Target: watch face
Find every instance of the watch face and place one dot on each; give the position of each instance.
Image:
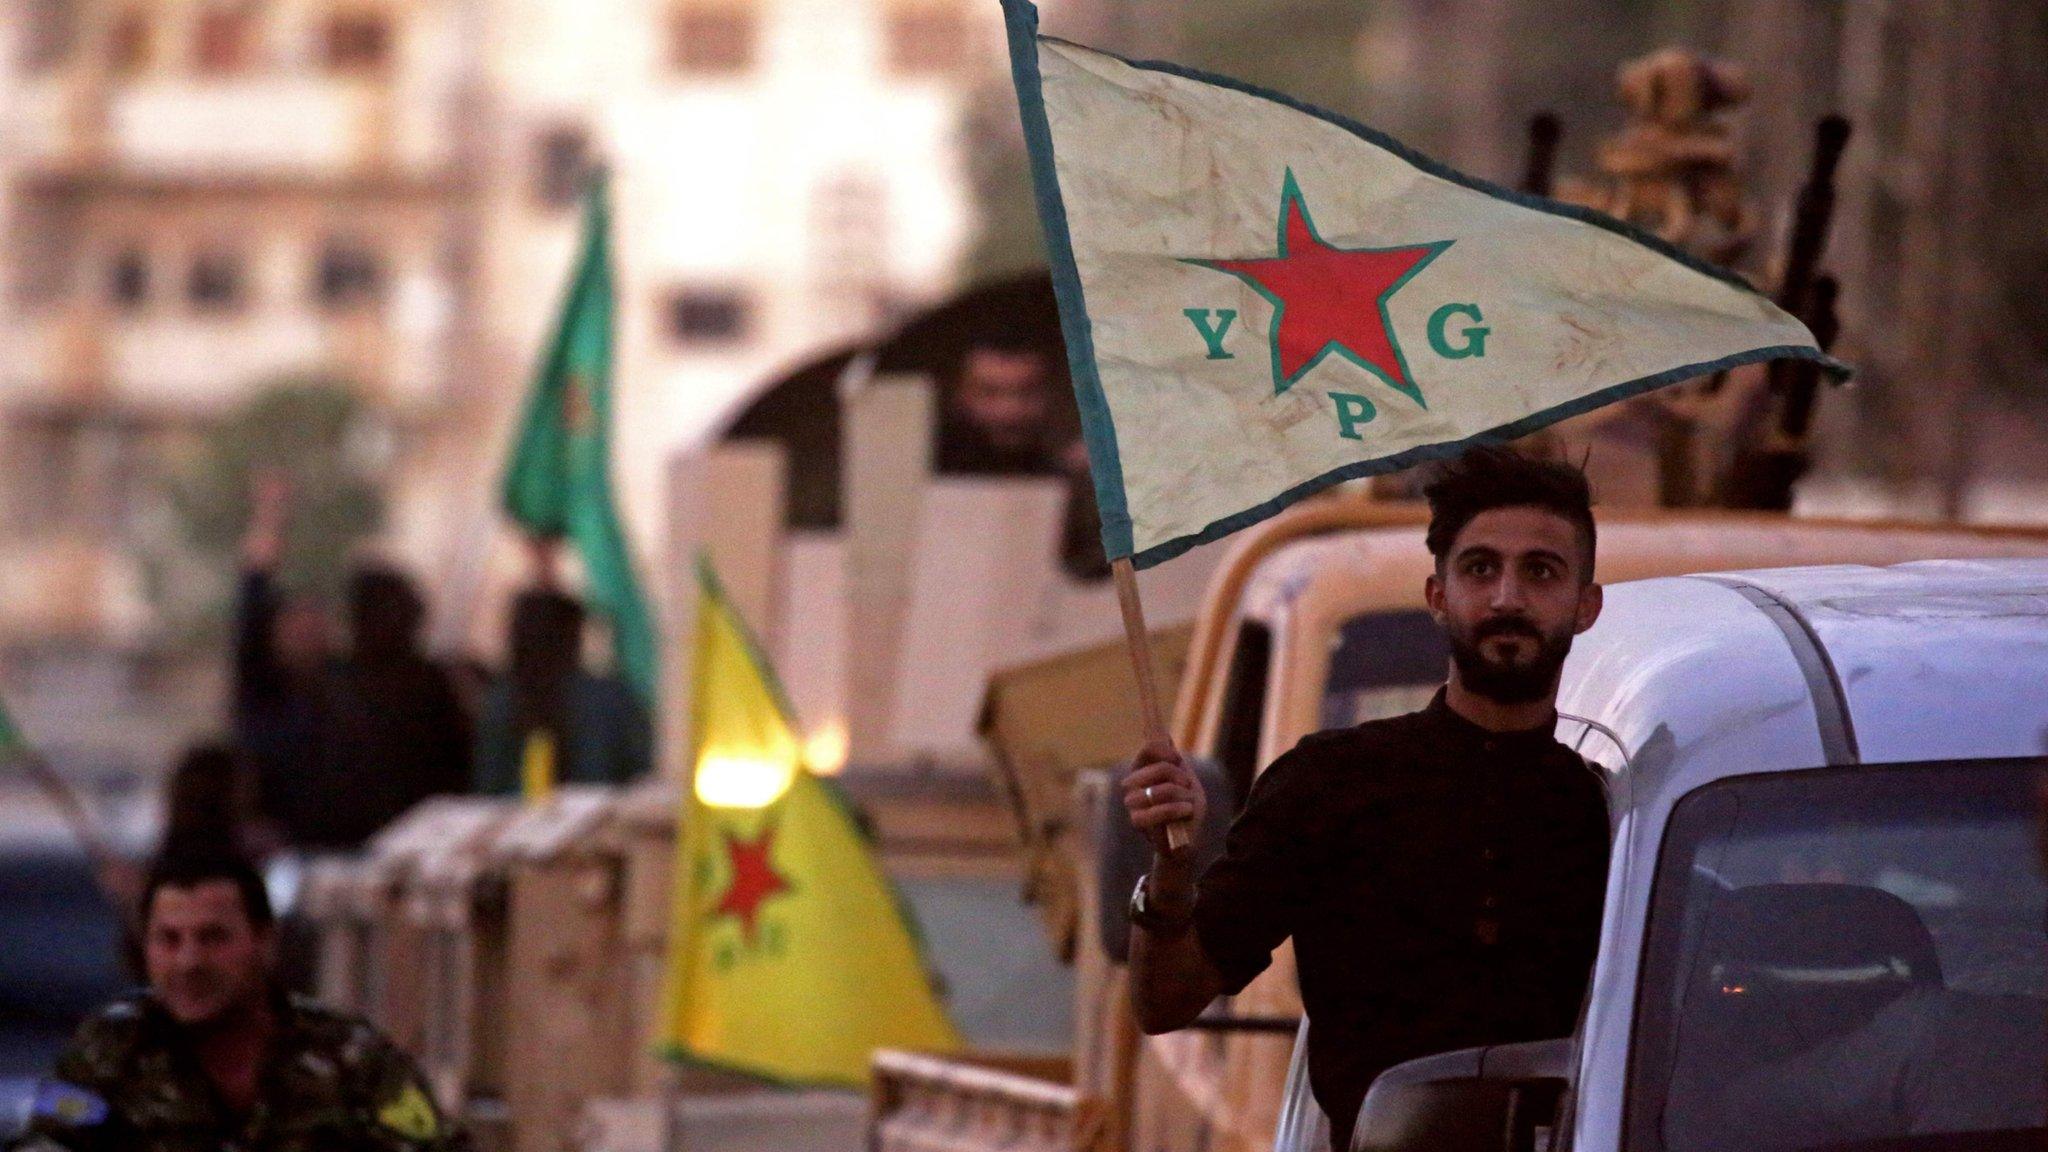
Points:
(1141, 905)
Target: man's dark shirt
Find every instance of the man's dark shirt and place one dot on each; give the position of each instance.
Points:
(396, 734)
(129, 1082)
(340, 752)
(1442, 884)
(963, 448)
(277, 717)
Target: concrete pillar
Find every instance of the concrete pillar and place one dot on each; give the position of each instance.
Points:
(887, 461)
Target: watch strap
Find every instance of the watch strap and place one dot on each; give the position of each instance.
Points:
(1146, 915)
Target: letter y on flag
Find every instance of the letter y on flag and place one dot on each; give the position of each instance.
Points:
(1261, 298)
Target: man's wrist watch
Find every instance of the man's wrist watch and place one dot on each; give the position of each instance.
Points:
(1146, 915)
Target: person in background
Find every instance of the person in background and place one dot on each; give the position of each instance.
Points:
(213, 1055)
(600, 732)
(210, 806)
(340, 747)
(997, 417)
(393, 723)
(996, 412)
(283, 647)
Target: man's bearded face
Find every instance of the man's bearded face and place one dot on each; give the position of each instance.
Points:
(1511, 595)
(204, 958)
(1509, 659)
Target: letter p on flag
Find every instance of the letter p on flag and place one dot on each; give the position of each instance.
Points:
(1357, 271)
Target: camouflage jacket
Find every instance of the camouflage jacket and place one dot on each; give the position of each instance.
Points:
(332, 1083)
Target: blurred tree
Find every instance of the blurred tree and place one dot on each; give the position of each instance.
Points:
(326, 443)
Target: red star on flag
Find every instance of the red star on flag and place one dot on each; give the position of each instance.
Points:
(754, 879)
(1328, 299)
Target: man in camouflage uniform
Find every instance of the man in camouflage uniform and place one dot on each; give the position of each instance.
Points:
(212, 1057)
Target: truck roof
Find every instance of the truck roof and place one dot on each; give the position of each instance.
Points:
(1689, 679)
(1320, 582)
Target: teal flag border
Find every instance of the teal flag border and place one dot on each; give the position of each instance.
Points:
(1020, 20)
(636, 652)
(1098, 428)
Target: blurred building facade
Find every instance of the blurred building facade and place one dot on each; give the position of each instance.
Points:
(199, 196)
(203, 196)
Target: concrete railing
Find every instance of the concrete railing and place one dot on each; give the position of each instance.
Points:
(927, 1103)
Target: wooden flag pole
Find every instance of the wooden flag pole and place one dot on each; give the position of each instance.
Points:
(1177, 835)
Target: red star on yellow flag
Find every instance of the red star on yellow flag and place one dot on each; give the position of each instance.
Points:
(754, 879)
(1328, 299)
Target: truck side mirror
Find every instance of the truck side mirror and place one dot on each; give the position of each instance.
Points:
(1502, 1098)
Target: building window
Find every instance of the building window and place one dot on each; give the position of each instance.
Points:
(43, 458)
(357, 43)
(51, 34)
(47, 259)
(562, 166)
(70, 470)
(933, 41)
(697, 316)
(711, 40)
(350, 275)
(128, 279)
(224, 40)
(128, 43)
(215, 283)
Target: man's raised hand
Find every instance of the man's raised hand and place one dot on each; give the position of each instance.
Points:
(1160, 789)
(270, 500)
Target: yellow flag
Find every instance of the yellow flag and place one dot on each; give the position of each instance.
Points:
(790, 955)
(537, 768)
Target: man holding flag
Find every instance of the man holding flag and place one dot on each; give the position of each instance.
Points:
(1441, 873)
(1261, 299)
(558, 485)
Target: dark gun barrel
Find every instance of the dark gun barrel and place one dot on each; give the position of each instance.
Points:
(1545, 130)
(1796, 382)
(1803, 382)
(1764, 473)
(1813, 213)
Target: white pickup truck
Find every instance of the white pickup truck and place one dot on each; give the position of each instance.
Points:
(1825, 914)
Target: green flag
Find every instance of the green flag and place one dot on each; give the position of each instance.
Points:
(17, 753)
(559, 481)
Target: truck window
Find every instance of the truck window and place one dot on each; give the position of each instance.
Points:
(1244, 706)
(1849, 960)
(1384, 664)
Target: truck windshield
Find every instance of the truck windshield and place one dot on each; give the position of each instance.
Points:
(1384, 664)
(1848, 960)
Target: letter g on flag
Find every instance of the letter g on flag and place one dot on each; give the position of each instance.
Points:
(1474, 342)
